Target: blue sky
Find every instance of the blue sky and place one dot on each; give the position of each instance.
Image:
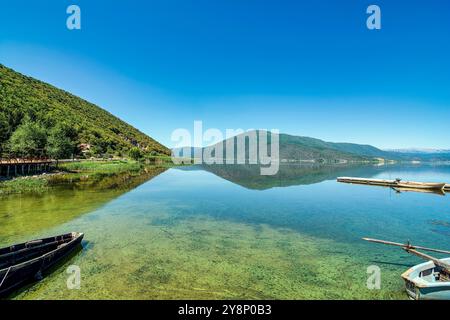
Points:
(304, 67)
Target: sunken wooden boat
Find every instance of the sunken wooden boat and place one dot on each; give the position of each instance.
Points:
(426, 281)
(395, 183)
(22, 263)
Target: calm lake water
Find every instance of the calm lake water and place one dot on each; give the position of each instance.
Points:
(227, 232)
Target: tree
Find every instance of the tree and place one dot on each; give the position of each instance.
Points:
(135, 154)
(29, 140)
(4, 131)
(60, 143)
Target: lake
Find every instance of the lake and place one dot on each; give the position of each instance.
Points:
(225, 232)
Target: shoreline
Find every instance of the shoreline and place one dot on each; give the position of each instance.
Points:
(76, 172)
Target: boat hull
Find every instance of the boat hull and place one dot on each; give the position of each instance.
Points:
(420, 282)
(435, 293)
(13, 276)
(422, 186)
(396, 184)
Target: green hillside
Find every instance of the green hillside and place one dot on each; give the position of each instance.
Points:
(333, 149)
(298, 148)
(304, 148)
(39, 119)
(294, 148)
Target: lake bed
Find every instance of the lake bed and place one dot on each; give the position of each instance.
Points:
(227, 233)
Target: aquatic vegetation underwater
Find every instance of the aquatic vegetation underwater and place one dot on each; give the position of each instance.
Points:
(24, 185)
(209, 259)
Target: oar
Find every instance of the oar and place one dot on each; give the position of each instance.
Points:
(405, 246)
(424, 256)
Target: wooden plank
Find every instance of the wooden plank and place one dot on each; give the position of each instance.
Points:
(407, 246)
(24, 161)
(436, 261)
(413, 250)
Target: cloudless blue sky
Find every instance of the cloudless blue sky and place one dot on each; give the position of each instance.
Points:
(304, 67)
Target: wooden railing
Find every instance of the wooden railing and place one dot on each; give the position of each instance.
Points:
(18, 161)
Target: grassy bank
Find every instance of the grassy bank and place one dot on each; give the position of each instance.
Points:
(100, 167)
(86, 172)
(24, 185)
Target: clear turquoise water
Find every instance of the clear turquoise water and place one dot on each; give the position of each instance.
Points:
(229, 233)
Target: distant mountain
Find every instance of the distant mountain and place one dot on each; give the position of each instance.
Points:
(91, 127)
(299, 149)
(367, 152)
(419, 150)
(421, 154)
(305, 149)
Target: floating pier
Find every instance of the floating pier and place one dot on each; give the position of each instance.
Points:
(411, 185)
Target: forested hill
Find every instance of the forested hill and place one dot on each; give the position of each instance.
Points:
(296, 148)
(39, 119)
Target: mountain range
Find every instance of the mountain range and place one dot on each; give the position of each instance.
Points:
(24, 99)
(419, 151)
(299, 148)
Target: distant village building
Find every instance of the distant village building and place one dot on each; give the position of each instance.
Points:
(84, 147)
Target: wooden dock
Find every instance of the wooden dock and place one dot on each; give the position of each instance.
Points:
(395, 183)
(16, 166)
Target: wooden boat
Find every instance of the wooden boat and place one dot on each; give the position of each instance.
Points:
(426, 281)
(24, 262)
(395, 183)
(421, 185)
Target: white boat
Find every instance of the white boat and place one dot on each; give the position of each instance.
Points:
(426, 281)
